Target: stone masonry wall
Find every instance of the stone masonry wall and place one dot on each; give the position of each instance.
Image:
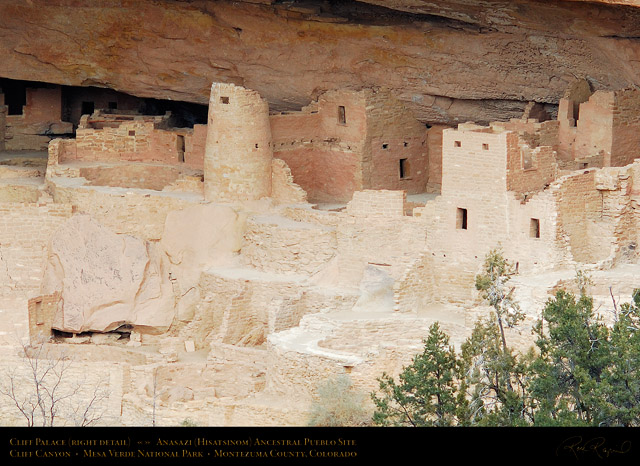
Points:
(376, 232)
(393, 134)
(25, 230)
(138, 141)
(579, 216)
(284, 189)
(434, 151)
(324, 154)
(279, 245)
(142, 176)
(372, 203)
(529, 170)
(126, 211)
(41, 313)
(241, 306)
(239, 148)
(594, 128)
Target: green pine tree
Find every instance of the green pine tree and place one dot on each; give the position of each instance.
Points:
(574, 354)
(427, 391)
(497, 380)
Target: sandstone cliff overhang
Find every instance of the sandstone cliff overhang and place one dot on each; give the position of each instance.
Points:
(451, 61)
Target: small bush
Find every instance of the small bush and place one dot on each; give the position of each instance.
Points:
(338, 404)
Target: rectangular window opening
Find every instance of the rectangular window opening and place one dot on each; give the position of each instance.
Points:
(534, 228)
(132, 133)
(224, 100)
(385, 146)
(485, 146)
(39, 316)
(404, 169)
(457, 144)
(342, 115)
(461, 219)
(180, 148)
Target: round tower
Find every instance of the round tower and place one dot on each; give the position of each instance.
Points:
(238, 153)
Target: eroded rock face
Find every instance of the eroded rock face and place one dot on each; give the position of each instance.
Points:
(200, 237)
(451, 61)
(107, 280)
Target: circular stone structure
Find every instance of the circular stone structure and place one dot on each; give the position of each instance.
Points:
(238, 154)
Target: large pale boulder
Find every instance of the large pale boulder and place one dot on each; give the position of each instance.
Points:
(200, 237)
(107, 280)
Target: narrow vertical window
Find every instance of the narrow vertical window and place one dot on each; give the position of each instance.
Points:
(404, 168)
(180, 148)
(342, 115)
(39, 315)
(534, 228)
(461, 219)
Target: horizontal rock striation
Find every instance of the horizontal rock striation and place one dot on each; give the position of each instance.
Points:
(451, 61)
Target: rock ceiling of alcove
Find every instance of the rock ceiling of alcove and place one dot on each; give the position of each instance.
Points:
(454, 60)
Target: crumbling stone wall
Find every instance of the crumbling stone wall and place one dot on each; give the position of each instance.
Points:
(284, 189)
(138, 141)
(477, 212)
(529, 170)
(579, 207)
(606, 126)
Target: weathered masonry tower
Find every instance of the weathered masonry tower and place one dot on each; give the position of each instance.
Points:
(238, 153)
